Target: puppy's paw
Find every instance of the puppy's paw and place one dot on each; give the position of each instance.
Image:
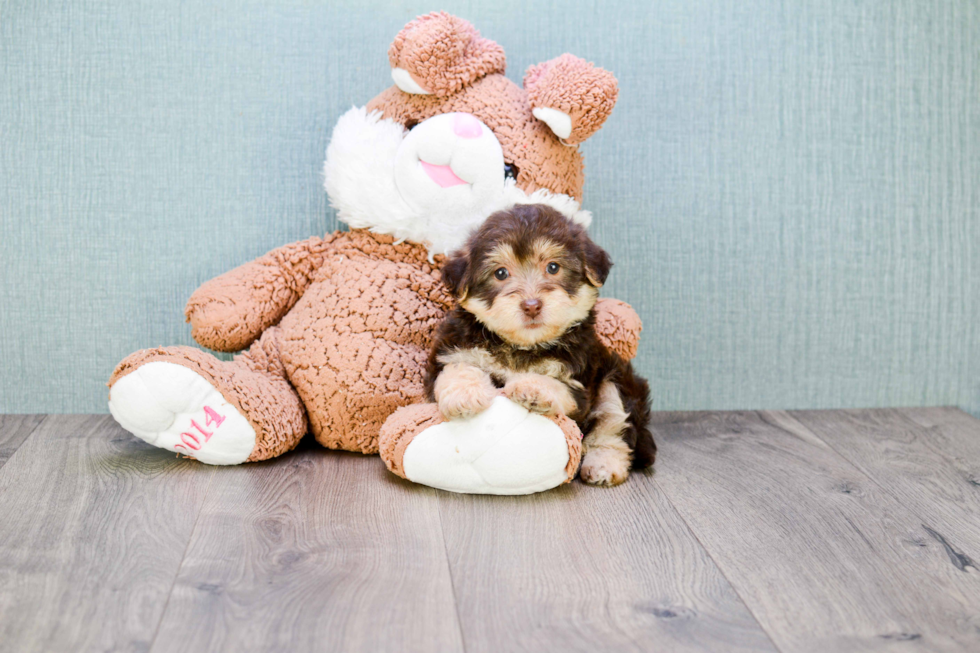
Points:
(465, 398)
(531, 395)
(605, 466)
(539, 394)
(463, 391)
(464, 402)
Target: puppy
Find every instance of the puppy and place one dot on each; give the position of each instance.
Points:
(526, 284)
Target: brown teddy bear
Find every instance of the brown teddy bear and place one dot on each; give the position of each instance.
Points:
(337, 329)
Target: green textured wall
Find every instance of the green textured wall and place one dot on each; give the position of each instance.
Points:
(789, 190)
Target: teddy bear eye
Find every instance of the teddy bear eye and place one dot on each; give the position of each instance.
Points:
(553, 268)
(510, 171)
(501, 273)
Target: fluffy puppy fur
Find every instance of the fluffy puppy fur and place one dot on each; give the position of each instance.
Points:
(526, 283)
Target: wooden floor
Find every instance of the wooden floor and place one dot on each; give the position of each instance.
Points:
(758, 531)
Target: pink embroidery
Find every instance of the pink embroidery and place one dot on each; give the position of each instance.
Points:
(212, 417)
(180, 446)
(207, 434)
(191, 441)
(184, 437)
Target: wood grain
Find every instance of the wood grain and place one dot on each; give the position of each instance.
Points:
(317, 550)
(810, 531)
(929, 459)
(93, 526)
(588, 569)
(956, 435)
(824, 559)
(14, 429)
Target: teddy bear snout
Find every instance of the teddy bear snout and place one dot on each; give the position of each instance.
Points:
(457, 144)
(451, 162)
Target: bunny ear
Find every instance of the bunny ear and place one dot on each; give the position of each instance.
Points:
(571, 96)
(439, 54)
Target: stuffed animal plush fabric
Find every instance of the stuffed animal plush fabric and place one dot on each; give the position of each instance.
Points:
(336, 330)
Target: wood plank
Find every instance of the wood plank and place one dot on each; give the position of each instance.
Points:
(823, 557)
(317, 550)
(14, 429)
(927, 458)
(93, 525)
(956, 435)
(588, 569)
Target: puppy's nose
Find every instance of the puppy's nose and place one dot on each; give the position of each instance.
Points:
(531, 307)
(466, 125)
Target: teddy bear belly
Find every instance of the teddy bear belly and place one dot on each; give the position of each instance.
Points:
(355, 346)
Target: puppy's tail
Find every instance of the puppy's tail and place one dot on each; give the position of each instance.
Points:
(636, 400)
(645, 452)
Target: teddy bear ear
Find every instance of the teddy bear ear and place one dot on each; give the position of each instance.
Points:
(439, 54)
(572, 96)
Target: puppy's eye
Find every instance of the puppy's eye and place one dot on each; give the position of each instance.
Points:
(510, 171)
(500, 274)
(553, 268)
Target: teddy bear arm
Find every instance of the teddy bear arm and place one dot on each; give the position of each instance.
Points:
(618, 327)
(230, 311)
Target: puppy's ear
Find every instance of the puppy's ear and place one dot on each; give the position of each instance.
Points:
(597, 263)
(454, 273)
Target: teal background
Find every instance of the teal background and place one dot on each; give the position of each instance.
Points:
(790, 190)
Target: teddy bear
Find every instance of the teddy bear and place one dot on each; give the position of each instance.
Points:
(334, 331)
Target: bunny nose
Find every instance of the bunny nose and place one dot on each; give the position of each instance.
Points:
(531, 307)
(466, 126)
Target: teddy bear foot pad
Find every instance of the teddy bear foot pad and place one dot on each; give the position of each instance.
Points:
(174, 408)
(503, 450)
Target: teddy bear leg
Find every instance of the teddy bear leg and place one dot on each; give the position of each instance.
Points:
(352, 383)
(503, 450)
(219, 412)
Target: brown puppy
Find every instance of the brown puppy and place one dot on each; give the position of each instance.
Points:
(526, 283)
